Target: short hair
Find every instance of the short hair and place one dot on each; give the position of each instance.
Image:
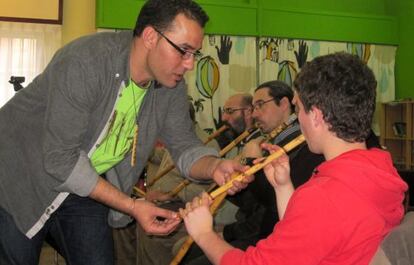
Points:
(278, 90)
(343, 88)
(247, 100)
(161, 13)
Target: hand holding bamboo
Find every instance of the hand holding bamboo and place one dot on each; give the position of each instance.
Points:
(220, 193)
(172, 166)
(189, 240)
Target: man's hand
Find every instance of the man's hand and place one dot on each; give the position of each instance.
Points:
(278, 171)
(252, 148)
(225, 169)
(154, 220)
(197, 217)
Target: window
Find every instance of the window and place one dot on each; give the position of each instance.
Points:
(25, 50)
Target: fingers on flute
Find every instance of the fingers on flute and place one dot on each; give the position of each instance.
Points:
(206, 199)
(203, 200)
(182, 212)
(270, 147)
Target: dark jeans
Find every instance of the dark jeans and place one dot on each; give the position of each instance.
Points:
(78, 230)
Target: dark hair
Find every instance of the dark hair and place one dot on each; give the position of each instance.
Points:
(247, 100)
(343, 88)
(278, 90)
(160, 14)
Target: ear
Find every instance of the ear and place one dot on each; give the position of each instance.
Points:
(285, 104)
(149, 37)
(316, 116)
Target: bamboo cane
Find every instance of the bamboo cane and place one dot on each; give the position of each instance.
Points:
(222, 152)
(225, 150)
(179, 187)
(281, 128)
(216, 133)
(134, 146)
(138, 192)
(221, 192)
(161, 174)
(286, 148)
(189, 240)
(233, 143)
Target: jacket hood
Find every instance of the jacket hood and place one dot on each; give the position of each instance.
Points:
(371, 174)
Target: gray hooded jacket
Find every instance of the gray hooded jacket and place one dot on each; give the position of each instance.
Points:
(49, 129)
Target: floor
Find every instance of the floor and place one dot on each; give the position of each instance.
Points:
(49, 256)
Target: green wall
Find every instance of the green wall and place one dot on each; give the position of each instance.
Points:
(364, 21)
(340, 20)
(404, 11)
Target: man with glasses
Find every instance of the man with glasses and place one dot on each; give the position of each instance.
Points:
(272, 107)
(237, 114)
(74, 142)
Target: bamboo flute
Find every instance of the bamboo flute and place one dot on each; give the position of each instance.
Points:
(216, 133)
(222, 152)
(161, 174)
(285, 149)
(179, 187)
(235, 142)
(225, 150)
(139, 192)
(275, 132)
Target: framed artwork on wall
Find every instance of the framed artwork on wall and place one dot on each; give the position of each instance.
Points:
(32, 11)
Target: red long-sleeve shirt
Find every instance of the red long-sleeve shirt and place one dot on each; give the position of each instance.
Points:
(338, 217)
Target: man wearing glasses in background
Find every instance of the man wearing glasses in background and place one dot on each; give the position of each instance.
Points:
(75, 140)
(272, 107)
(237, 114)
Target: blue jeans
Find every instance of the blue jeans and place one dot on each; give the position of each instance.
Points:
(78, 230)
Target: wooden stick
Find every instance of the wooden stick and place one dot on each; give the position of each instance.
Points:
(216, 133)
(220, 193)
(139, 192)
(288, 147)
(222, 152)
(161, 174)
(233, 143)
(281, 128)
(189, 240)
(134, 146)
(179, 187)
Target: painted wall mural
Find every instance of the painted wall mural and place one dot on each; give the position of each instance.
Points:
(237, 64)
(227, 67)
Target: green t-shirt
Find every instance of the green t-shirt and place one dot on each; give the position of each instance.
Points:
(118, 140)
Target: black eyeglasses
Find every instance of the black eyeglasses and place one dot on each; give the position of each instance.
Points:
(259, 104)
(185, 54)
(231, 110)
